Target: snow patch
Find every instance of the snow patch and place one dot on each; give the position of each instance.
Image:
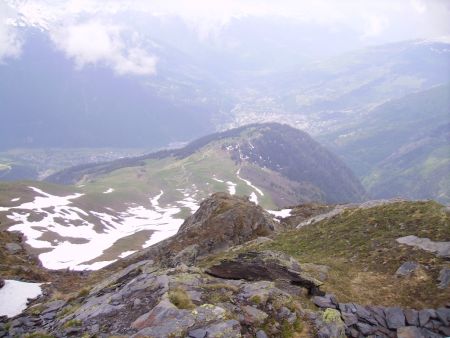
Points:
(253, 198)
(15, 199)
(280, 213)
(14, 296)
(259, 191)
(231, 187)
(127, 253)
(110, 190)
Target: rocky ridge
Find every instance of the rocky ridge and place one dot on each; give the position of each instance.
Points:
(216, 278)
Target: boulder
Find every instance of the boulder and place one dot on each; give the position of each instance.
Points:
(443, 315)
(2, 283)
(327, 301)
(265, 265)
(425, 316)
(406, 269)
(225, 329)
(395, 317)
(441, 249)
(253, 316)
(412, 317)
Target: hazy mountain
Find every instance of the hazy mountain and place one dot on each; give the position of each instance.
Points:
(47, 102)
(400, 148)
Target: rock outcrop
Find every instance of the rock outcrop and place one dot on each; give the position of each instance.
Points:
(222, 221)
(377, 321)
(266, 265)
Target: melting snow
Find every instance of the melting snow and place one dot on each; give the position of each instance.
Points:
(126, 253)
(65, 254)
(14, 296)
(15, 199)
(231, 187)
(249, 183)
(253, 198)
(281, 213)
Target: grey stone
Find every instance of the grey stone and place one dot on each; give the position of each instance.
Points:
(365, 329)
(349, 318)
(444, 278)
(324, 302)
(164, 319)
(284, 312)
(253, 316)
(412, 317)
(261, 334)
(54, 306)
(136, 303)
(363, 314)
(197, 333)
(226, 329)
(425, 316)
(406, 269)
(441, 249)
(394, 317)
(409, 332)
(13, 248)
(445, 330)
(444, 315)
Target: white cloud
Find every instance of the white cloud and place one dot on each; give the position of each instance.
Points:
(375, 26)
(10, 42)
(94, 42)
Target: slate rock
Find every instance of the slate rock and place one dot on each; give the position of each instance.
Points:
(444, 278)
(54, 306)
(265, 265)
(412, 317)
(197, 333)
(261, 334)
(444, 315)
(395, 317)
(326, 301)
(365, 329)
(364, 315)
(226, 329)
(349, 318)
(445, 330)
(164, 319)
(406, 269)
(409, 332)
(425, 316)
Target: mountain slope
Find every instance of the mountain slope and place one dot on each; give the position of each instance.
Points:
(400, 148)
(117, 208)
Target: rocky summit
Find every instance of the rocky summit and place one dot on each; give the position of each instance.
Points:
(233, 270)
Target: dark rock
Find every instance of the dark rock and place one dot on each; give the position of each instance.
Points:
(325, 301)
(425, 316)
(2, 283)
(349, 318)
(406, 269)
(378, 314)
(409, 332)
(444, 315)
(445, 330)
(265, 265)
(227, 329)
(412, 317)
(261, 334)
(365, 329)
(364, 315)
(444, 278)
(198, 333)
(54, 306)
(394, 317)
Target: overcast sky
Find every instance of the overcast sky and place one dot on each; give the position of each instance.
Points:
(91, 31)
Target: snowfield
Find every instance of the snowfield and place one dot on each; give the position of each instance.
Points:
(14, 296)
(83, 241)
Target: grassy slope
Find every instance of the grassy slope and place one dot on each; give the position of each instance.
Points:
(359, 247)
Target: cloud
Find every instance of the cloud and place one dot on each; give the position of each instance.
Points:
(10, 42)
(94, 42)
(375, 26)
